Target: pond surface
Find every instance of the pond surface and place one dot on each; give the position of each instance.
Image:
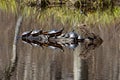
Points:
(37, 63)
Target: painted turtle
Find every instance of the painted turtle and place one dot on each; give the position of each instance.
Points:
(54, 33)
(26, 34)
(36, 32)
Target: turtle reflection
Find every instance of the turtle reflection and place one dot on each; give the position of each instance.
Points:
(57, 39)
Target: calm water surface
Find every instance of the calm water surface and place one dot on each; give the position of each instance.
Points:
(36, 63)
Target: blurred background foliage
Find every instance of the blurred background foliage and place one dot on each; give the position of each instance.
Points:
(8, 5)
(70, 11)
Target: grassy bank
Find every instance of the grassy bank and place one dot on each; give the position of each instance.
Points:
(83, 11)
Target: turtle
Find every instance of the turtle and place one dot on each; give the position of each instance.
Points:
(53, 33)
(36, 32)
(26, 34)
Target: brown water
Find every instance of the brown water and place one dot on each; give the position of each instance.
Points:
(36, 63)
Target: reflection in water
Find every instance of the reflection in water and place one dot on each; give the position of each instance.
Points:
(33, 63)
(56, 39)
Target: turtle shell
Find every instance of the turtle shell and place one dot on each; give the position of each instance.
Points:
(36, 32)
(26, 34)
(54, 33)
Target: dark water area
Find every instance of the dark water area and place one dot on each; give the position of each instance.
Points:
(37, 63)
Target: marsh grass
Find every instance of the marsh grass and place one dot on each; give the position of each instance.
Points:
(103, 14)
(72, 17)
(8, 5)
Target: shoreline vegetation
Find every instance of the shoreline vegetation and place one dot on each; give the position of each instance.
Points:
(72, 11)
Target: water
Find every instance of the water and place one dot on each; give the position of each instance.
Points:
(37, 63)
